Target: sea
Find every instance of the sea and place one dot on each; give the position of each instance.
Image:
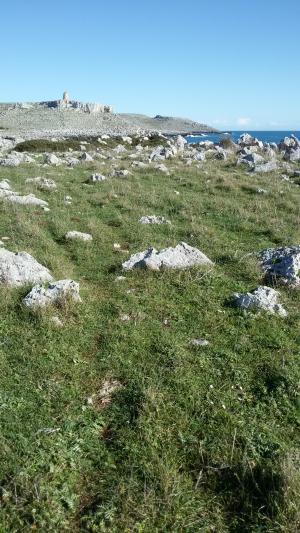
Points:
(265, 136)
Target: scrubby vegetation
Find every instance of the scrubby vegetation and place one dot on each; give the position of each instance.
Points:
(197, 439)
(47, 145)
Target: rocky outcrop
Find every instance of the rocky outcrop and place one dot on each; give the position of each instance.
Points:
(263, 298)
(57, 291)
(282, 263)
(182, 256)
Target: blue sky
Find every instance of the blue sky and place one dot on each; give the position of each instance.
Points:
(230, 63)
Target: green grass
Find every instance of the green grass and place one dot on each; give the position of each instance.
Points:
(197, 439)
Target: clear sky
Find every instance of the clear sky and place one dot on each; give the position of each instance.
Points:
(234, 64)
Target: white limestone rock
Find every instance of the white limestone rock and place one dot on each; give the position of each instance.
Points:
(86, 157)
(61, 290)
(263, 298)
(120, 149)
(51, 159)
(182, 256)
(29, 199)
(78, 235)
(127, 139)
(96, 178)
(5, 185)
(162, 168)
(120, 173)
(139, 164)
(266, 167)
(153, 219)
(21, 268)
(282, 263)
(44, 184)
(199, 343)
(10, 162)
(72, 161)
(180, 143)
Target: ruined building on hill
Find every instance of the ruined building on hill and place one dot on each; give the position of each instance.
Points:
(63, 104)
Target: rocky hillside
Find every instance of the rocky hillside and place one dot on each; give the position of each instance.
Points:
(34, 122)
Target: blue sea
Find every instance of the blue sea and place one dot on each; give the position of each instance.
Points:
(265, 136)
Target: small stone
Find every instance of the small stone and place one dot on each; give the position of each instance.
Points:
(95, 178)
(199, 342)
(120, 173)
(125, 318)
(153, 219)
(71, 235)
(56, 321)
(162, 168)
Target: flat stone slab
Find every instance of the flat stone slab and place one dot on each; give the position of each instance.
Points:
(153, 219)
(78, 235)
(182, 256)
(263, 298)
(63, 289)
(283, 263)
(29, 199)
(21, 268)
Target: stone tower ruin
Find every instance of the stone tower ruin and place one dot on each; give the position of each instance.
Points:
(66, 98)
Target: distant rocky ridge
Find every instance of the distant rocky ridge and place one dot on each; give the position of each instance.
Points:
(67, 118)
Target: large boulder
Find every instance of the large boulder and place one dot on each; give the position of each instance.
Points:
(182, 256)
(21, 268)
(282, 263)
(263, 298)
(57, 291)
(163, 152)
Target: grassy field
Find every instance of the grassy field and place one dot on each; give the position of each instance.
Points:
(197, 439)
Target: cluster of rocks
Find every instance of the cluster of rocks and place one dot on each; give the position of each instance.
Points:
(279, 265)
(7, 194)
(21, 268)
(249, 152)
